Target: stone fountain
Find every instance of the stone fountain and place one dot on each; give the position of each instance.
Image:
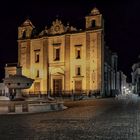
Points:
(18, 82)
(19, 105)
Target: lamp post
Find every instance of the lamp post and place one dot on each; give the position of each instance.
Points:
(124, 89)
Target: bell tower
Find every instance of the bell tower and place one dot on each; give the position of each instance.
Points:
(94, 19)
(25, 30)
(24, 35)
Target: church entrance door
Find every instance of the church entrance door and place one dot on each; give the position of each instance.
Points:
(57, 87)
(78, 87)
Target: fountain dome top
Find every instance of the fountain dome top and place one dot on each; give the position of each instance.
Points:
(18, 81)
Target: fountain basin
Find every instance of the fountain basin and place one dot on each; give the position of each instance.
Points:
(25, 107)
(16, 83)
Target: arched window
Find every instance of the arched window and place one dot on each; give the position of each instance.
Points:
(93, 23)
(24, 35)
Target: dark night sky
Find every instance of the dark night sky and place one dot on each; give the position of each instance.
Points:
(122, 24)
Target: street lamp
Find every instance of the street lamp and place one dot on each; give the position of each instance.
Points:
(124, 89)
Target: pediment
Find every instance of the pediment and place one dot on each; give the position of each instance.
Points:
(57, 27)
(57, 74)
(57, 71)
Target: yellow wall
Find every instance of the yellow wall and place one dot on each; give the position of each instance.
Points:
(90, 44)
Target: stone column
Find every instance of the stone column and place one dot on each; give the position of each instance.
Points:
(88, 61)
(67, 81)
(18, 94)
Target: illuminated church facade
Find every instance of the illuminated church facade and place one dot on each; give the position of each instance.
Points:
(62, 58)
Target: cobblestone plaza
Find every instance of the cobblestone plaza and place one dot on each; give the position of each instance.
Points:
(96, 119)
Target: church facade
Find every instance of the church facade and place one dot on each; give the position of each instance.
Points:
(62, 58)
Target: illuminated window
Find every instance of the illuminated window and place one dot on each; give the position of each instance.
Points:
(57, 54)
(78, 54)
(78, 51)
(37, 74)
(37, 57)
(78, 70)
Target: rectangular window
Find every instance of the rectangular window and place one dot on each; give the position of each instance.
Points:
(93, 23)
(37, 73)
(78, 54)
(57, 54)
(36, 57)
(78, 70)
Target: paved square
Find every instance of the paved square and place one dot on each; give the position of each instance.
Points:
(97, 119)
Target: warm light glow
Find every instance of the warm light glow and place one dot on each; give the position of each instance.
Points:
(55, 61)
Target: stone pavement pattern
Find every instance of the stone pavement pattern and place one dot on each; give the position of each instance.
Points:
(98, 119)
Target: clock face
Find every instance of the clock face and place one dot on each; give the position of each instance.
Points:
(57, 28)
